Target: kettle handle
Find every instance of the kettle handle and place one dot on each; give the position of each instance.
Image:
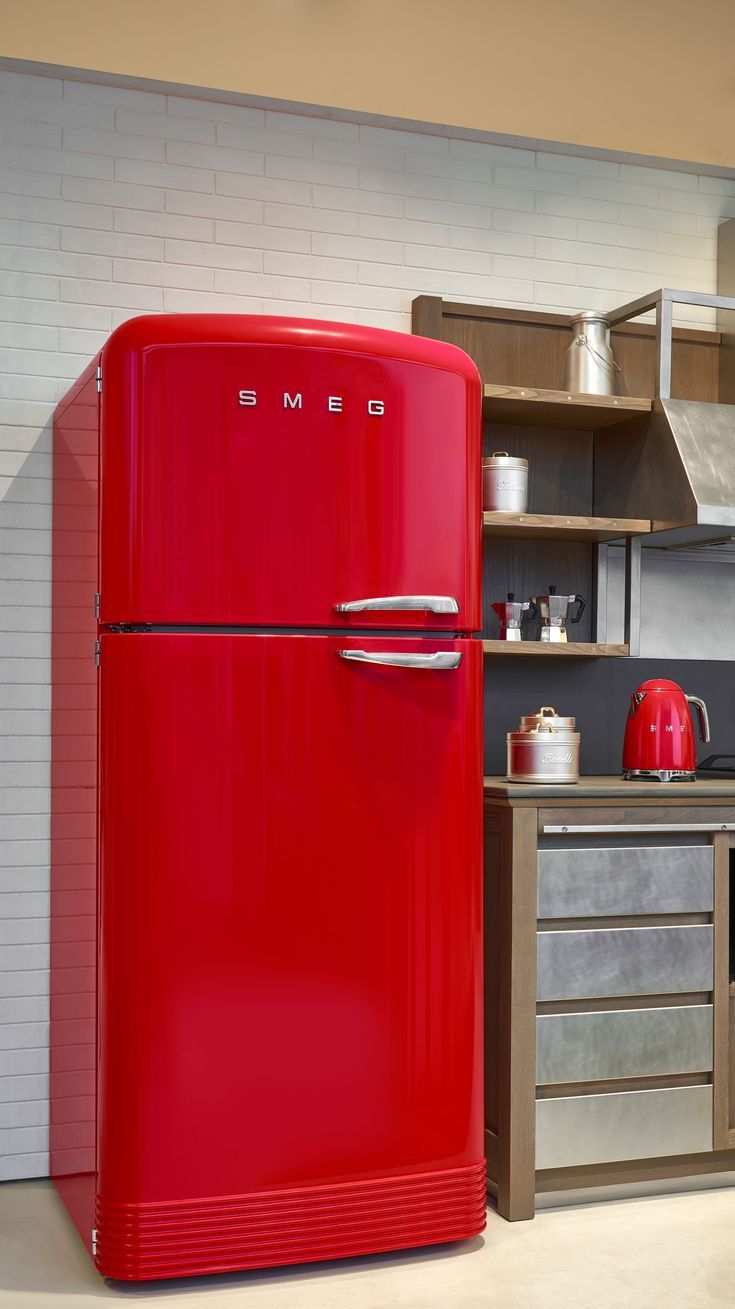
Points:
(703, 716)
(582, 606)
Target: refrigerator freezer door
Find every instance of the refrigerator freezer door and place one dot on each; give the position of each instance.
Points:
(273, 472)
(290, 966)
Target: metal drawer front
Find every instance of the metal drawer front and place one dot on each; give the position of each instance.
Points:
(683, 818)
(624, 961)
(623, 1043)
(654, 880)
(592, 1129)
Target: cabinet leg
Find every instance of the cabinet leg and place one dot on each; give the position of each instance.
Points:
(511, 1007)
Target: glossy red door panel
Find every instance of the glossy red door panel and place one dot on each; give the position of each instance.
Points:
(262, 471)
(290, 915)
(73, 1063)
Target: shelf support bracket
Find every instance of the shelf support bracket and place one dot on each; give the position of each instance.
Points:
(663, 302)
(599, 619)
(633, 595)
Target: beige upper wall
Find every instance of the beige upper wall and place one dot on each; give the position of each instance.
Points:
(653, 77)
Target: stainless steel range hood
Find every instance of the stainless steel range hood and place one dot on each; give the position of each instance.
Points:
(678, 467)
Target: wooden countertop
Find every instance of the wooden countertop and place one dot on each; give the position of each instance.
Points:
(605, 788)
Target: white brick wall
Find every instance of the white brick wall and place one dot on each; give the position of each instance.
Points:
(114, 202)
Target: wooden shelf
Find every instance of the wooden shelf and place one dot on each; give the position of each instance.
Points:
(555, 649)
(529, 406)
(555, 526)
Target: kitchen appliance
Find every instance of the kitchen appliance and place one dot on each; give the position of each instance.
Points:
(547, 714)
(659, 737)
(504, 483)
(715, 766)
(590, 365)
(510, 612)
(273, 1051)
(553, 610)
(543, 753)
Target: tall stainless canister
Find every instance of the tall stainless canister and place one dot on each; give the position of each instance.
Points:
(591, 367)
(543, 754)
(505, 483)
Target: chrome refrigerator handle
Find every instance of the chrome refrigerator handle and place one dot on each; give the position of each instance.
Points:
(434, 604)
(703, 716)
(442, 659)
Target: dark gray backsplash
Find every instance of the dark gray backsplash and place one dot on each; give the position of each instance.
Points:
(597, 692)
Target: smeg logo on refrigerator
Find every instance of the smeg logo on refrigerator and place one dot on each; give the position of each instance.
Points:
(331, 404)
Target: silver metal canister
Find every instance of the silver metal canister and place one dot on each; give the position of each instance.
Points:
(590, 366)
(505, 483)
(547, 714)
(543, 754)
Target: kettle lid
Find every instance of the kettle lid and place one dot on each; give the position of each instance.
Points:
(660, 684)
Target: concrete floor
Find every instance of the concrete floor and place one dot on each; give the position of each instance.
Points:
(674, 1250)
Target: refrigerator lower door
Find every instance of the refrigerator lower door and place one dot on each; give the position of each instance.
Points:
(290, 949)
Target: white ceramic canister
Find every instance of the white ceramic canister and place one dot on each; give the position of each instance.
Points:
(505, 483)
(590, 366)
(543, 754)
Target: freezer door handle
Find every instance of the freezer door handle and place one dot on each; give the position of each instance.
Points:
(442, 659)
(433, 604)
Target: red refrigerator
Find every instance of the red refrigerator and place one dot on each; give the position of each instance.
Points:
(267, 796)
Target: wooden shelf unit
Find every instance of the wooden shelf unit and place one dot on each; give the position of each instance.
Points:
(570, 527)
(566, 438)
(530, 406)
(560, 649)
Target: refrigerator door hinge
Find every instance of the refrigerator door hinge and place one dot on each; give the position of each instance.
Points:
(96, 604)
(99, 379)
(94, 1240)
(97, 652)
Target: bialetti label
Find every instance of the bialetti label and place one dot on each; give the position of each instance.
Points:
(557, 757)
(294, 400)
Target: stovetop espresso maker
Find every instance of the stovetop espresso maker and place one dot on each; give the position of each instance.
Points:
(510, 612)
(553, 610)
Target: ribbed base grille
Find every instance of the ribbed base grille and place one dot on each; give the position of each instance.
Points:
(221, 1234)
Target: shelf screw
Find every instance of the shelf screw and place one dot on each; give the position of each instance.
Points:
(569, 397)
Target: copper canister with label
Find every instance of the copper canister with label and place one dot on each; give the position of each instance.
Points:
(547, 714)
(543, 753)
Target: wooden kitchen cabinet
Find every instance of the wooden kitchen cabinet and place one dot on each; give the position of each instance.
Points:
(610, 1027)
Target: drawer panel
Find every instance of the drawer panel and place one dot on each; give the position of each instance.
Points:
(637, 818)
(591, 1129)
(624, 961)
(623, 1043)
(653, 880)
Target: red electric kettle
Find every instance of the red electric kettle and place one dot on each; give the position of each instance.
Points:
(659, 737)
